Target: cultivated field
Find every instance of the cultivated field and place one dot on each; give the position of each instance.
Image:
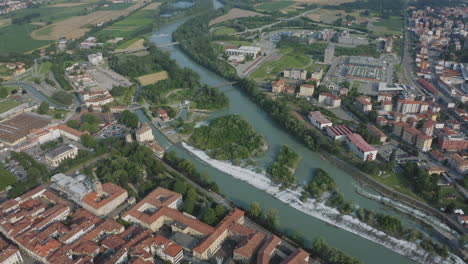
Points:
(152, 6)
(324, 2)
(67, 4)
(132, 44)
(152, 78)
(234, 14)
(329, 16)
(77, 26)
(5, 22)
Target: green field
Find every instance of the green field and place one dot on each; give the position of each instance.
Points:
(52, 14)
(129, 25)
(290, 59)
(224, 31)
(6, 179)
(6, 105)
(44, 31)
(16, 38)
(393, 25)
(398, 182)
(112, 7)
(273, 6)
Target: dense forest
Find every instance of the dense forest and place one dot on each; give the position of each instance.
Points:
(228, 138)
(282, 170)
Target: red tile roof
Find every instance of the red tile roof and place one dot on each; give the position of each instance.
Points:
(339, 130)
(112, 191)
(360, 143)
(298, 257)
(264, 253)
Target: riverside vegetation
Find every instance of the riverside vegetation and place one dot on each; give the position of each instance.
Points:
(282, 170)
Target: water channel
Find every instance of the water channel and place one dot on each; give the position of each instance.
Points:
(243, 194)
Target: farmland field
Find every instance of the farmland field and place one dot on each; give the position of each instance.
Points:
(131, 44)
(234, 14)
(392, 25)
(273, 6)
(224, 31)
(130, 24)
(16, 38)
(152, 78)
(76, 26)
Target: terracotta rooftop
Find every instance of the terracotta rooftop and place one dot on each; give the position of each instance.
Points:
(264, 253)
(360, 143)
(112, 192)
(339, 130)
(298, 257)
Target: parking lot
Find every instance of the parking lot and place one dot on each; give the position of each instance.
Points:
(114, 130)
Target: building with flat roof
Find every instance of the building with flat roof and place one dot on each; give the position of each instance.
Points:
(306, 90)
(319, 120)
(74, 188)
(56, 155)
(329, 99)
(329, 54)
(295, 74)
(360, 147)
(104, 198)
(423, 142)
(246, 51)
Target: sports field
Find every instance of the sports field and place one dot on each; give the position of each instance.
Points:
(273, 68)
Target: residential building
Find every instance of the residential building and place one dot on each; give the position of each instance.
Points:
(453, 142)
(364, 103)
(156, 148)
(97, 98)
(387, 106)
(104, 198)
(318, 120)
(329, 99)
(306, 90)
(9, 254)
(95, 59)
(317, 73)
(295, 74)
(298, 256)
(398, 128)
(377, 133)
(381, 97)
(338, 132)
(409, 135)
(162, 113)
(389, 45)
(459, 163)
(360, 147)
(144, 133)
(56, 155)
(278, 86)
(423, 142)
(267, 250)
(411, 107)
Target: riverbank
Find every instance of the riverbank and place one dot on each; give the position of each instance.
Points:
(321, 211)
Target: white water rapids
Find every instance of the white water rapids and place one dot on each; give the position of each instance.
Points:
(323, 212)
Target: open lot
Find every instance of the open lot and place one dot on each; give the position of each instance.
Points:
(392, 26)
(131, 44)
(289, 59)
(273, 6)
(76, 26)
(152, 6)
(152, 78)
(330, 15)
(125, 27)
(234, 14)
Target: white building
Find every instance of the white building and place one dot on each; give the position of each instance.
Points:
(95, 59)
(295, 74)
(97, 98)
(318, 120)
(246, 51)
(306, 90)
(360, 147)
(329, 99)
(144, 133)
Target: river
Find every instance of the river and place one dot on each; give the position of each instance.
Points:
(242, 193)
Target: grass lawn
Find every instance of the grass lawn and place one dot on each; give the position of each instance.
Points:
(224, 31)
(393, 25)
(397, 182)
(45, 31)
(274, 6)
(44, 68)
(312, 67)
(16, 38)
(6, 105)
(449, 194)
(127, 98)
(290, 59)
(52, 14)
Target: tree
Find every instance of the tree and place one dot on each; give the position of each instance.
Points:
(373, 115)
(3, 92)
(180, 187)
(43, 108)
(106, 109)
(129, 119)
(89, 141)
(219, 209)
(255, 210)
(73, 124)
(272, 218)
(188, 206)
(209, 217)
(449, 209)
